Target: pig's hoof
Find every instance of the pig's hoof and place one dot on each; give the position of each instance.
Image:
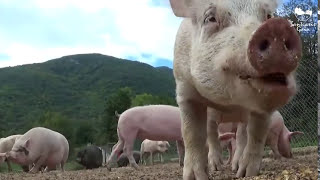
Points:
(135, 166)
(108, 167)
(195, 174)
(249, 166)
(234, 166)
(215, 159)
(216, 163)
(33, 171)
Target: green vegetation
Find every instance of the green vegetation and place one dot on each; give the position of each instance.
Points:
(77, 95)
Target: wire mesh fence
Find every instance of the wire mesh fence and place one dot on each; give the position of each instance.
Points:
(300, 114)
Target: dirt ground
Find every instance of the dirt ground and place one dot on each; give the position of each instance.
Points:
(302, 166)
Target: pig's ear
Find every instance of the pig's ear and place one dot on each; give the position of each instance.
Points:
(181, 8)
(227, 136)
(117, 114)
(295, 133)
(168, 144)
(27, 143)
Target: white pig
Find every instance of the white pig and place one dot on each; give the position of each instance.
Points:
(278, 138)
(6, 145)
(236, 61)
(149, 147)
(41, 146)
(153, 122)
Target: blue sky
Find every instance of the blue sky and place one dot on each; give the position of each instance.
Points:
(33, 31)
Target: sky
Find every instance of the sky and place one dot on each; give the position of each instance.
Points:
(34, 31)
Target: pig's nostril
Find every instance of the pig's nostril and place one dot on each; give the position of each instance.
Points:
(287, 45)
(264, 45)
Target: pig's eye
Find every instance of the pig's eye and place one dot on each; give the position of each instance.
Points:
(210, 19)
(269, 16)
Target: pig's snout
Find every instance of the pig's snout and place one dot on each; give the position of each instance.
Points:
(275, 47)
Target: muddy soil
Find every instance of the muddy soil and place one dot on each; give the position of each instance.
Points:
(302, 166)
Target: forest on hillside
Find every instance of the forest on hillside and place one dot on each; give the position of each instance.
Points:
(71, 94)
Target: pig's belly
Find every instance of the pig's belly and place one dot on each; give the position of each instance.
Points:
(54, 159)
(160, 133)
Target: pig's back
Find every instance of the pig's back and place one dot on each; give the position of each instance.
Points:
(7, 143)
(44, 138)
(154, 122)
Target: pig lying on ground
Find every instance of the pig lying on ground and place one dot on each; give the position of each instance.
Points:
(149, 147)
(91, 157)
(40, 146)
(233, 59)
(6, 145)
(278, 139)
(123, 161)
(154, 122)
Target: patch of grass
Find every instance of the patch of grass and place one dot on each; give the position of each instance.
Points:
(15, 168)
(72, 166)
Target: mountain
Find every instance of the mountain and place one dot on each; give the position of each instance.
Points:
(75, 85)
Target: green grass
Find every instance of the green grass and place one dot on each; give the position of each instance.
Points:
(15, 168)
(73, 165)
(70, 166)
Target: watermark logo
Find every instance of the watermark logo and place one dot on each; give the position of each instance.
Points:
(303, 12)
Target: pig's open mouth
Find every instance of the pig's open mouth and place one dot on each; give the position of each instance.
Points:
(275, 79)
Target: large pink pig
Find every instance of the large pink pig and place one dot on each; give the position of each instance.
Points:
(278, 138)
(153, 122)
(237, 61)
(41, 146)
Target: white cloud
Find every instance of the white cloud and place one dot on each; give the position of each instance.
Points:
(135, 27)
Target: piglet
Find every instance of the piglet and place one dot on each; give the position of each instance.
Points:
(41, 146)
(149, 147)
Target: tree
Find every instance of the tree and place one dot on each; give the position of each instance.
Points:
(57, 122)
(118, 101)
(60, 123)
(148, 99)
(85, 133)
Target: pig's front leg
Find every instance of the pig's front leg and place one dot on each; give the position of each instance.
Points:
(230, 153)
(180, 147)
(194, 116)
(257, 130)
(38, 164)
(9, 166)
(274, 147)
(151, 158)
(241, 141)
(215, 150)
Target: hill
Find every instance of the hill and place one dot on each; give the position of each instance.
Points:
(76, 86)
